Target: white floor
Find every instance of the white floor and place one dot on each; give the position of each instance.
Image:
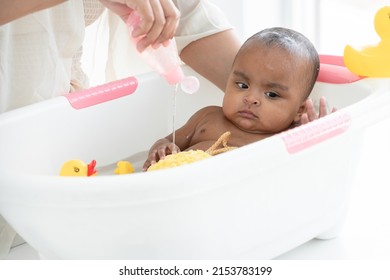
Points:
(366, 233)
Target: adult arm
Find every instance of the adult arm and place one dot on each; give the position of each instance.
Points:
(14, 9)
(213, 56)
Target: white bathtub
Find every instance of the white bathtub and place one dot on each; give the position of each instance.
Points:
(255, 202)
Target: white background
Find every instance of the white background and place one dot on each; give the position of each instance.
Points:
(329, 24)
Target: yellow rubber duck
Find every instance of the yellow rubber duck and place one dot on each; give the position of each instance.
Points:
(372, 61)
(76, 167)
(124, 167)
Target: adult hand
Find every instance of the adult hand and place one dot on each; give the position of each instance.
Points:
(159, 19)
(311, 114)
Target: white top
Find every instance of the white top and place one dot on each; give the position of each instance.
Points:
(36, 54)
(40, 53)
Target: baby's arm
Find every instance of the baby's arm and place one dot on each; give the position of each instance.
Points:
(159, 150)
(183, 137)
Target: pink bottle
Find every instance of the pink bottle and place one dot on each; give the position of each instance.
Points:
(165, 61)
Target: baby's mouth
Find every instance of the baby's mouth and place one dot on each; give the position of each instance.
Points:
(248, 114)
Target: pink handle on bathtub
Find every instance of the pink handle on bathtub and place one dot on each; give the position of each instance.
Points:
(334, 71)
(305, 136)
(102, 93)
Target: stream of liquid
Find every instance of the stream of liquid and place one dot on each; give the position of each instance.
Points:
(174, 114)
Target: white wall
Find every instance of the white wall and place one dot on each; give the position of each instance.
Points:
(329, 24)
(348, 22)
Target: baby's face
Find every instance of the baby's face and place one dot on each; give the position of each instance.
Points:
(266, 90)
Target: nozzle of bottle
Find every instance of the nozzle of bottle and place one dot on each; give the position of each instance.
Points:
(164, 60)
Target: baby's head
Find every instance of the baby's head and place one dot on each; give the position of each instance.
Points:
(271, 78)
(297, 46)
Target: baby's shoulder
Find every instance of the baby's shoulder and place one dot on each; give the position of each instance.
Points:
(211, 110)
(206, 114)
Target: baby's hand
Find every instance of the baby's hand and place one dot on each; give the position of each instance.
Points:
(159, 152)
(311, 114)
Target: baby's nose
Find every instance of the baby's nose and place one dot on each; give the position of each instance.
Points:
(251, 100)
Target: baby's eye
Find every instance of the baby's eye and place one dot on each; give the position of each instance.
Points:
(242, 85)
(271, 94)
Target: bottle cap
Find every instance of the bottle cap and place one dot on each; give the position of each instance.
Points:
(190, 84)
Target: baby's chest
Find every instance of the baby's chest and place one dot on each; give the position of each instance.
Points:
(212, 130)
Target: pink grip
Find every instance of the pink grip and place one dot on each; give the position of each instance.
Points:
(305, 136)
(334, 71)
(102, 93)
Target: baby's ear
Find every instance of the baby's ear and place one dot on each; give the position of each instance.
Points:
(302, 109)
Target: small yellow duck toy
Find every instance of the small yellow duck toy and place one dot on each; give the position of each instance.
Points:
(76, 167)
(372, 61)
(124, 167)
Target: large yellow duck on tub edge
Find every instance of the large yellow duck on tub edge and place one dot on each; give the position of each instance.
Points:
(372, 61)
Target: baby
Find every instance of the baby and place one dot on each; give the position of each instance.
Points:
(266, 93)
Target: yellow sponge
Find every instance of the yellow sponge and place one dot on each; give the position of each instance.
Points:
(178, 159)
